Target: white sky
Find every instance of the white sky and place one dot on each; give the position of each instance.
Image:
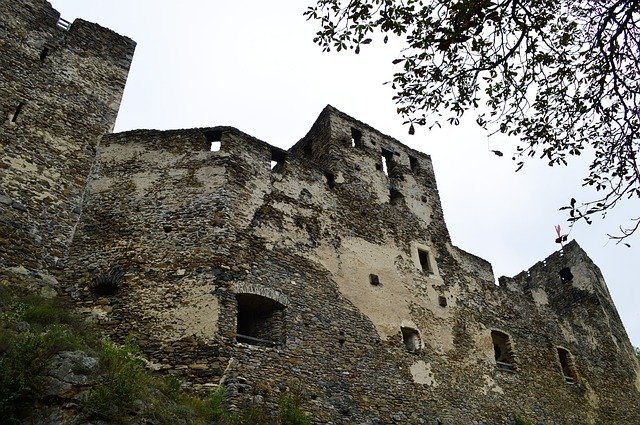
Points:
(253, 65)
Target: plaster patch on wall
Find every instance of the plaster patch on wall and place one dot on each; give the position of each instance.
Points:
(386, 305)
(422, 374)
(21, 164)
(196, 314)
(490, 385)
(539, 296)
(119, 153)
(144, 181)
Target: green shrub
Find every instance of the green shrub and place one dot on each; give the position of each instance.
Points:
(124, 381)
(519, 421)
(290, 413)
(20, 373)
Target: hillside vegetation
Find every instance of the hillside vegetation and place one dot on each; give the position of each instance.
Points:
(55, 369)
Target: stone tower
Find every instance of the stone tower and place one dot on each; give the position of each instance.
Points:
(60, 90)
(326, 268)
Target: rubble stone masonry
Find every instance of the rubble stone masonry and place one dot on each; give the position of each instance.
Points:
(330, 273)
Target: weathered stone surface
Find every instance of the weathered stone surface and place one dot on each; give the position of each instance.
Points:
(54, 106)
(260, 278)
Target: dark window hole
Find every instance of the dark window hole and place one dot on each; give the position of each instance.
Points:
(356, 137)
(260, 320)
(425, 260)
(214, 140)
(395, 197)
(374, 279)
(411, 339)
(413, 163)
(502, 350)
(567, 366)
(331, 179)
(566, 275)
(277, 159)
(44, 53)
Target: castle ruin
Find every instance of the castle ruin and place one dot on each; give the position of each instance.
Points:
(326, 268)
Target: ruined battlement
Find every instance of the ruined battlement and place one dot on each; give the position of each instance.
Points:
(327, 267)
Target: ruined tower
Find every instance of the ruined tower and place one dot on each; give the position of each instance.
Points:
(326, 268)
(60, 90)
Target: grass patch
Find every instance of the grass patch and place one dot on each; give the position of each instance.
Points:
(34, 329)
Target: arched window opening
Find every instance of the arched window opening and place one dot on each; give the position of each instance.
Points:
(503, 350)
(567, 366)
(260, 321)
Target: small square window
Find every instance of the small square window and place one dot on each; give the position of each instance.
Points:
(214, 140)
(411, 339)
(374, 279)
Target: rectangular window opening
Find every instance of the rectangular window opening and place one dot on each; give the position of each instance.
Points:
(277, 159)
(356, 137)
(331, 179)
(413, 163)
(17, 112)
(411, 339)
(425, 260)
(387, 161)
(44, 53)
(503, 351)
(308, 149)
(214, 140)
(395, 196)
(374, 279)
(567, 366)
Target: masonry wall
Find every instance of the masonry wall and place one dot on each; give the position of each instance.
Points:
(196, 231)
(60, 89)
(338, 257)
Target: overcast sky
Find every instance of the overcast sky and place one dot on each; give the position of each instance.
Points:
(253, 65)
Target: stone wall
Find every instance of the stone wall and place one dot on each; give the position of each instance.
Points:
(193, 229)
(60, 89)
(337, 257)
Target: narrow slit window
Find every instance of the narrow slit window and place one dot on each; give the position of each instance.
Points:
(386, 158)
(425, 260)
(331, 179)
(44, 53)
(356, 137)
(17, 112)
(567, 366)
(308, 149)
(214, 140)
(260, 321)
(411, 339)
(503, 350)
(385, 170)
(413, 163)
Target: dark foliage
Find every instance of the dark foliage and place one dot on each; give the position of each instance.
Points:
(562, 76)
